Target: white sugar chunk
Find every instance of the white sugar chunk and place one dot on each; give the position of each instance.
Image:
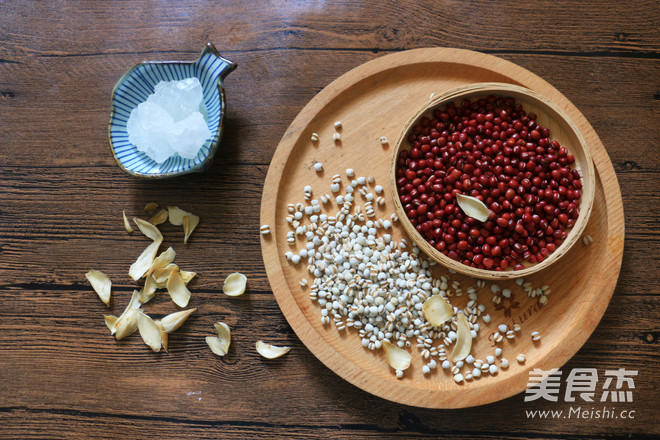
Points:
(178, 98)
(148, 128)
(189, 134)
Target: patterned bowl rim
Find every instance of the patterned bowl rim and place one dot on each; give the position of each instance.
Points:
(204, 164)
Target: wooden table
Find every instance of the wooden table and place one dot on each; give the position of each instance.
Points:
(61, 197)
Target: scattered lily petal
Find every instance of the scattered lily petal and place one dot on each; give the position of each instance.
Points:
(271, 351)
(161, 275)
(190, 222)
(473, 207)
(133, 304)
(148, 290)
(224, 334)
(177, 289)
(463, 343)
(149, 332)
(216, 346)
(437, 310)
(101, 285)
(127, 224)
(126, 324)
(397, 358)
(174, 320)
(151, 207)
(110, 321)
(176, 215)
(235, 284)
(148, 229)
(186, 276)
(144, 261)
(166, 257)
(163, 336)
(159, 217)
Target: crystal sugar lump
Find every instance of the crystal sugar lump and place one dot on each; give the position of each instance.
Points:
(178, 98)
(147, 130)
(189, 134)
(170, 121)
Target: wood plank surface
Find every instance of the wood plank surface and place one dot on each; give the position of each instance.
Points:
(61, 196)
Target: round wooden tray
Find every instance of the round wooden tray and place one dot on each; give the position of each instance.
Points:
(376, 99)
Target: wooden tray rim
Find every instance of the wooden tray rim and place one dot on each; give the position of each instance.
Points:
(590, 312)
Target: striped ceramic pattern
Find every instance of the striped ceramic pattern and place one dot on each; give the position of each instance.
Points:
(134, 88)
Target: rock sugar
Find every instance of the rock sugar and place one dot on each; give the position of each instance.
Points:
(169, 122)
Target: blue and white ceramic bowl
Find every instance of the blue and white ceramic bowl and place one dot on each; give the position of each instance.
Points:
(138, 83)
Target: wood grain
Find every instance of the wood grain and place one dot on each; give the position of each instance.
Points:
(61, 196)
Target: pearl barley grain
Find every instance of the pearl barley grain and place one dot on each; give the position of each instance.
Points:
(521, 358)
(363, 278)
(318, 166)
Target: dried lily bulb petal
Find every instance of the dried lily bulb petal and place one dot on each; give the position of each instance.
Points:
(166, 257)
(190, 222)
(127, 224)
(463, 338)
(148, 229)
(224, 334)
(473, 207)
(437, 310)
(148, 290)
(174, 320)
(163, 336)
(159, 217)
(177, 289)
(110, 321)
(271, 351)
(161, 275)
(144, 261)
(101, 285)
(176, 215)
(216, 346)
(126, 324)
(186, 276)
(134, 302)
(397, 358)
(235, 284)
(149, 331)
(151, 207)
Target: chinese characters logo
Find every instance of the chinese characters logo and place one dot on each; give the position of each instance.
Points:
(582, 383)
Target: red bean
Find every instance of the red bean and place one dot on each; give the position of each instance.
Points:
(491, 150)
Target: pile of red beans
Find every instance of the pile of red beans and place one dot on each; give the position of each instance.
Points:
(492, 150)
